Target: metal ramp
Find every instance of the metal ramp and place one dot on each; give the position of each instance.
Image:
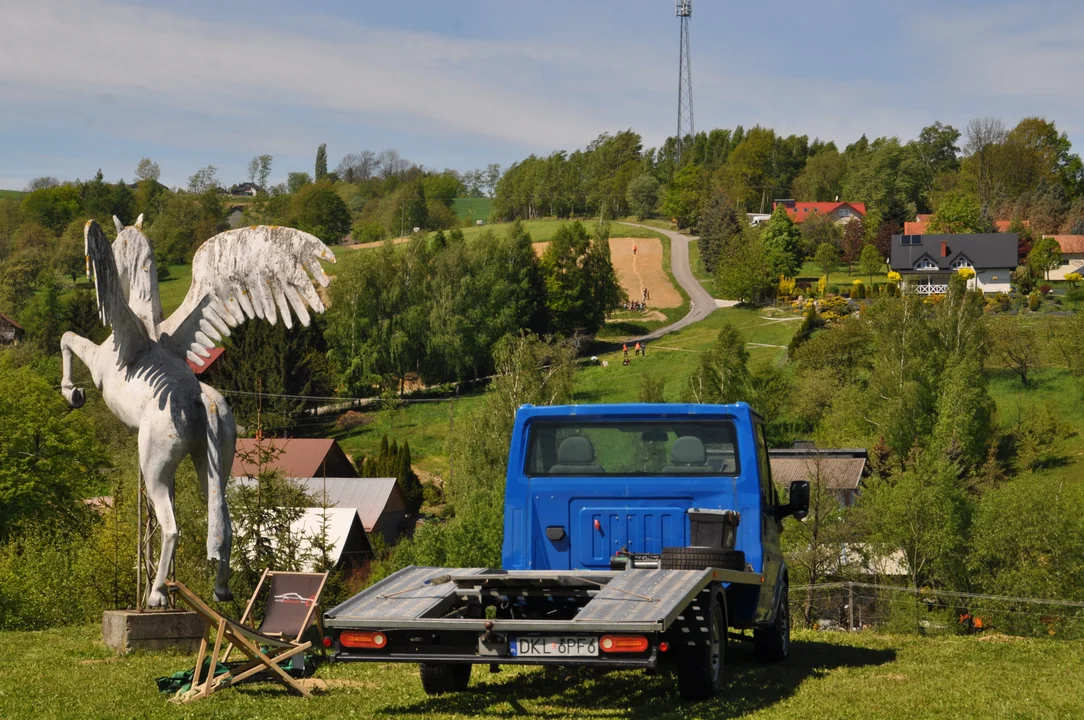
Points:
(639, 600)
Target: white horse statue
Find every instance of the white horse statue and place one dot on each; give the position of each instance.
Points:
(141, 369)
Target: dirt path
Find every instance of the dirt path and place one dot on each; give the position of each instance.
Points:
(639, 270)
(702, 303)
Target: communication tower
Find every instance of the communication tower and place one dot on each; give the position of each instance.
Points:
(684, 10)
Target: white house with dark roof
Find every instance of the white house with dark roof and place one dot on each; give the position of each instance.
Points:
(926, 262)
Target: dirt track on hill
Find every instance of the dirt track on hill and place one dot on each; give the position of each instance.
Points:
(635, 272)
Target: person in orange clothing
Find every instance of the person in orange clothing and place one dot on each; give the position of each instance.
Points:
(634, 249)
(625, 350)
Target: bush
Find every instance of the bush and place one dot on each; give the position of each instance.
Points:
(1046, 289)
(1034, 300)
(892, 289)
(350, 420)
(1075, 295)
(369, 232)
(833, 289)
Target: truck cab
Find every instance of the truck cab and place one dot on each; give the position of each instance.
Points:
(589, 483)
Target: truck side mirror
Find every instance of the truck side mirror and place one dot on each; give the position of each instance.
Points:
(799, 500)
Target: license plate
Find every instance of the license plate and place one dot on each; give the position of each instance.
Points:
(554, 647)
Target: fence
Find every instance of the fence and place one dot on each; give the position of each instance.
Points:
(858, 605)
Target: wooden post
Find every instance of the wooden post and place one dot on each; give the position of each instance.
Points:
(850, 606)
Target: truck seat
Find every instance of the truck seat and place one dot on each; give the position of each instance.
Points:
(576, 456)
(687, 455)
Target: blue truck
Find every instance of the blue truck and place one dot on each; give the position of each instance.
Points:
(635, 536)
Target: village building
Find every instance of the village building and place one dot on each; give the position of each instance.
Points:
(293, 457)
(926, 262)
(1072, 256)
(842, 212)
(11, 332)
(840, 470)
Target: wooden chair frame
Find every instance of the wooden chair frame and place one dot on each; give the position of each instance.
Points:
(245, 639)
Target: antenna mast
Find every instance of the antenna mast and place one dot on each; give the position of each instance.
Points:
(684, 10)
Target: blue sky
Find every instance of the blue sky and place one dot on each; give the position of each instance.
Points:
(461, 83)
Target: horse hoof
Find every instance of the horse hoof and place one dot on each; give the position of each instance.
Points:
(156, 599)
(223, 595)
(75, 396)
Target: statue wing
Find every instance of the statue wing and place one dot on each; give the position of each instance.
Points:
(129, 333)
(255, 272)
(138, 273)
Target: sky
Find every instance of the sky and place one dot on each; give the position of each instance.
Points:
(89, 84)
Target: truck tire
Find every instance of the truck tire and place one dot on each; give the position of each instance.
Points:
(772, 643)
(699, 558)
(440, 678)
(700, 667)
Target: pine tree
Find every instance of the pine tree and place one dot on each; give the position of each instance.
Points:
(321, 162)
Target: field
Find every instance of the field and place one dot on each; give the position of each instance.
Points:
(426, 424)
(473, 208)
(68, 673)
(11, 194)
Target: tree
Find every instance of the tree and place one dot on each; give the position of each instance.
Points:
(263, 173)
(253, 169)
(1045, 255)
(492, 177)
(744, 272)
(319, 210)
(721, 374)
(643, 195)
(870, 262)
(720, 221)
(959, 213)
(204, 179)
(984, 138)
(651, 389)
(1015, 345)
(321, 162)
(683, 196)
(297, 180)
(854, 239)
(827, 258)
(781, 238)
(581, 286)
(49, 458)
(357, 167)
(819, 228)
(147, 169)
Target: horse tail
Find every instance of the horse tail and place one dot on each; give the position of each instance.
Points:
(216, 527)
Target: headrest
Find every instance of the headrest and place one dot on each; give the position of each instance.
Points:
(688, 450)
(575, 450)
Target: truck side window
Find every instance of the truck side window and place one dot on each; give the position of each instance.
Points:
(764, 467)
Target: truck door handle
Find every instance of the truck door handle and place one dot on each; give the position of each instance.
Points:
(555, 532)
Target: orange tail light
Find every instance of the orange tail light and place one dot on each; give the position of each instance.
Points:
(623, 643)
(366, 640)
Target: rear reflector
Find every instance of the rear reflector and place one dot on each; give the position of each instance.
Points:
(623, 643)
(357, 639)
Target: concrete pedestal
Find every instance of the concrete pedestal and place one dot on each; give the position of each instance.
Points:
(127, 630)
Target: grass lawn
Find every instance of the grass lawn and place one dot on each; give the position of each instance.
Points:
(173, 289)
(473, 208)
(68, 673)
(699, 271)
(11, 194)
(811, 271)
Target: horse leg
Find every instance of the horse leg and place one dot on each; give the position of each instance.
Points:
(221, 455)
(85, 350)
(158, 461)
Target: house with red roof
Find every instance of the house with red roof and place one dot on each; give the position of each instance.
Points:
(293, 457)
(11, 332)
(921, 224)
(1072, 256)
(799, 212)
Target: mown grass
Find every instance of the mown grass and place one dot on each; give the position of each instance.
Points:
(841, 277)
(473, 208)
(68, 673)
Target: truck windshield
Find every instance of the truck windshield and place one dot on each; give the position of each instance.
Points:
(637, 448)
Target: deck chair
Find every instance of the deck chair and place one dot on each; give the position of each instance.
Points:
(293, 604)
(245, 639)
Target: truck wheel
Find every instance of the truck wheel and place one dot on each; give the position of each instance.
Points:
(772, 643)
(700, 668)
(440, 678)
(699, 558)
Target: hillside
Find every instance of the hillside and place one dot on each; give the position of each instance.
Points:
(67, 672)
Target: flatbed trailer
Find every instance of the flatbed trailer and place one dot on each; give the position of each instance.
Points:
(469, 615)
